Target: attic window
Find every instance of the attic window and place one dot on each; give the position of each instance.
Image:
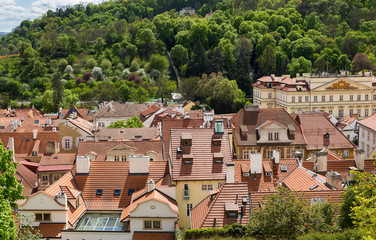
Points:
(2, 127)
(99, 192)
(36, 121)
(55, 157)
(117, 192)
(188, 159)
(231, 209)
(283, 169)
(216, 142)
(186, 139)
(130, 191)
(218, 158)
(27, 139)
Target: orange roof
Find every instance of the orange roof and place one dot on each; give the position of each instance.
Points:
(148, 112)
(116, 109)
(212, 209)
(83, 124)
(153, 195)
(81, 112)
(28, 178)
(153, 236)
(202, 151)
(108, 175)
(315, 125)
(118, 134)
(57, 162)
(51, 230)
(301, 179)
(141, 147)
(369, 122)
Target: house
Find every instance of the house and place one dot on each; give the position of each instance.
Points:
(149, 112)
(262, 130)
(228, 204)
(187, 11)
(367, 134)
(72, 131)
(349, 127)
(338, 94)
(28, 179)
(319, 132)
(74, 111)
(114, 111)
(52, 167)
(198, 159)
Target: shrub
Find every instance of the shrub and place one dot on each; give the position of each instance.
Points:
(134, 78)
(87, 76)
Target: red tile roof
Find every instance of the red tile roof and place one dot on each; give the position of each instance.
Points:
(81, 112)
(153, 236)
(369, 122)
(315, 125)
(116, 109)
(57, 162)
(51, 230)
(28, 178)
(202, 150)
(83, 124)
(148, 112)
(212, 208)
(118, 134)
(301, 179)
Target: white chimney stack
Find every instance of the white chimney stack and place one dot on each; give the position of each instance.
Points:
(276, 156)
(35, 134)
(321, 161)
(256, 163)
(83, 164)
(230, 172)
(359, 159)
(151, 185)
(11, 147)
(334, 179)
(139, 164)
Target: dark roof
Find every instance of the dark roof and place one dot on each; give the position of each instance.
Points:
(115, 109)
(147, 133)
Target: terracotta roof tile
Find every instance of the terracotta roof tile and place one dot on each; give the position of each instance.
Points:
(51, 230)
(301, 179)
(153, 195)
(315, 125)
(148, 112)
(212, 208)
(118, 134)
(83, 124)
(201, 151)
(115, 109)
(369, 122)
(28, 178)
(57, 162)
(81, 112)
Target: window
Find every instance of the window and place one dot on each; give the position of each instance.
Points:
(36, 121)
(331, 98)
(322, 98)
(345, 153)
(366, 97)
(306, 98)
(276, 136)
(351, 97)
(116, 158)
(330, 112)
(117, 192)
(56, 177)
(269, 95)
(374, 96)
(99, 192)
(351, 112)
(270, 136)
(359, 111)
(293, 99)
(315, 98)
(43, 217)
(373, 110)
(366, 112)
(101, 222)
(359, 97)
(189, 209)
(206, 187)
(156, 224)
(341, 98)
(340, 113)
(300, 99)
(131, 191)
(123, 158)
(292, 153)
(44, 177)
(219, 126)
(269, 154)
(186, 192)
(245, 154)
(147, 224)
(67, 143)
(101, 124)
(316, 201)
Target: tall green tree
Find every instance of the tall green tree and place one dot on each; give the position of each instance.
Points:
(267, 61)
(10, 192)
(58, 91)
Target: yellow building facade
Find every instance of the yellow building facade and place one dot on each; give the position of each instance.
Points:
(339, 95)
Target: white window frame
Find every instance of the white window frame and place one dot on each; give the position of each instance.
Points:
(245, 154)
(67, 142)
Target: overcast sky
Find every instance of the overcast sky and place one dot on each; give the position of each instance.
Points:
(13, 12)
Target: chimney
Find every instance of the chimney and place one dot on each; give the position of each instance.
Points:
(230, 172)
(139, 164)
(326, 139)
(11, 147)
(320, 161)
(256, 163)
(151, 185)
(359, 159)
(35, 134)
(61, 198)
(276, 157)
(83, 164)
(334, 179)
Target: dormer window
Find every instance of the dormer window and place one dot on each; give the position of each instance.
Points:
(99, 192)
(218, 126)
(243, 131)
(186, 139)
(117, 192)
(218, 158)
(267, 170)
(231, 209)
(216, 142)
(187, 159)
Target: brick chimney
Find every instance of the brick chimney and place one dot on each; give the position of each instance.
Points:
(334, 179)
(359, 159)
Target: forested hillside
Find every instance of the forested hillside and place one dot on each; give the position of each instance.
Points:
(118, 50)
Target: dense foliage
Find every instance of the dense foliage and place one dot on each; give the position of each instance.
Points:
(117, 50)
(133, 122)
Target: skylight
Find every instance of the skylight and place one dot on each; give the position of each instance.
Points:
(100, 222)
(117, 192)
(283, 168)
(99, 191)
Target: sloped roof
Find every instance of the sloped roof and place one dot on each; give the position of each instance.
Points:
(108, 175)
(213, 207)
(57, 162)
(148, 112)
(202, 151)
(142, 147)
(301, 179)
(147, 133)
(315, 125)
(83, 124)
(81, 112)
(116, 109)
(369, 122)
(29, 179)
(153, 195)
(254, 119)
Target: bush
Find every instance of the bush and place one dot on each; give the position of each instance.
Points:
(134, 78)
(348, 234)
(87, 76)
(235, 230)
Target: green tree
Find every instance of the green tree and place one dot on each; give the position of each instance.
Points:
(140, 95)
(299, 65)
(134, 122)
(117, 124)
(361, 62)
(58, 91)
(179, 55)
(267, 61)
(158, 62)
(10, 192)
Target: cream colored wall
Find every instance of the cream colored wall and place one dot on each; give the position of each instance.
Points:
(195, 197)
(96, 235)
(67, 129)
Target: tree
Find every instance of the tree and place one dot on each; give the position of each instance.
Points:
(299, 65)
(58, 91)
(10, 192)
(140, 95)
(179, 55)
(197, 63)
(361, 62)
(158, 62)
(117, 124)
(134, 122)
(106, 64)
(267, 61)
